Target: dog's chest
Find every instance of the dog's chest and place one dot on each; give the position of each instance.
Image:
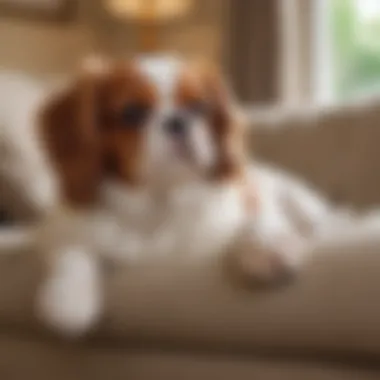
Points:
(196, 224)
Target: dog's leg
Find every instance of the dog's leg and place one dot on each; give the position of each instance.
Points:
(268, 255)
(69, 300)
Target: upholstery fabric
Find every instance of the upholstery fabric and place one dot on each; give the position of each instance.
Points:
(335, 148)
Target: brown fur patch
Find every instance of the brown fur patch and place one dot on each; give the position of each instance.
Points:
(84, 132)
(123, 87)
(203, 82)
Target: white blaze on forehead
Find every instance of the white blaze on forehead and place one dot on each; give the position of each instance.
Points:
(163, 72)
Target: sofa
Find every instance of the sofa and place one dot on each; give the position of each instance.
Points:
(172, 321)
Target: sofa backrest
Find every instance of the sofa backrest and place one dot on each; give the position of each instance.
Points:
(337, 149)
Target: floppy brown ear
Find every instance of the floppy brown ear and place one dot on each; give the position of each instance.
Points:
(227, 123)
(70, 132)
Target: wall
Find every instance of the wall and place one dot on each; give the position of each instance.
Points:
(41, 47)
(45, 47)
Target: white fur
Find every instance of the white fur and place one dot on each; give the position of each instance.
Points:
(187, 224)
(177, 215)
(192, 221)
(278, 235)
(70, 298)
(165, 160)
(132, 228)
(163, 72)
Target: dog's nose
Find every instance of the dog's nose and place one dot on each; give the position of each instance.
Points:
(176, 125)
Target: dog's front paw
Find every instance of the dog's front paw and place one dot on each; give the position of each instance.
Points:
(69, 300)
(269, 262)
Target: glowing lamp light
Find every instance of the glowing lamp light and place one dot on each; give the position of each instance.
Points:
(148, 14)
(148, 10)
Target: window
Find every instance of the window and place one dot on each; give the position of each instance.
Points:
(354, 34)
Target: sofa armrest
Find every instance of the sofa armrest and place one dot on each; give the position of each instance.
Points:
(335, 148)
(332, 309)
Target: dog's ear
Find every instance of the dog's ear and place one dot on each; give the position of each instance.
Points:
(70, 131)
(227, 123)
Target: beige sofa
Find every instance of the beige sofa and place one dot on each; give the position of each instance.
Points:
(172, 322)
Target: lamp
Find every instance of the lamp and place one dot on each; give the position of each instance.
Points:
(148, 14)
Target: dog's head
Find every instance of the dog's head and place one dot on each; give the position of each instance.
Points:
(145, 122)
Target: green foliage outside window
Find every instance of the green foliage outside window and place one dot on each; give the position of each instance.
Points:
(356, 50)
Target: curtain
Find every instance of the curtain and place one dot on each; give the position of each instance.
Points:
(252, 49)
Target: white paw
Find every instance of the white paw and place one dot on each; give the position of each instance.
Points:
(272, 261)
(69, 300)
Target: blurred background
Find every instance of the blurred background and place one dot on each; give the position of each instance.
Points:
(288, 51)
(308, 60)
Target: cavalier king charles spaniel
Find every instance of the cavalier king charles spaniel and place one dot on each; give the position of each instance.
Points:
(150, 159)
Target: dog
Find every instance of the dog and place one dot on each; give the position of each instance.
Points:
(151, 161)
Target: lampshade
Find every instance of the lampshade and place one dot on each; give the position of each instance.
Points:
(153, 10)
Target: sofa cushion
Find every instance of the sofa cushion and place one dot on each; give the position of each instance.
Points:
(25, 183)
(332, 309)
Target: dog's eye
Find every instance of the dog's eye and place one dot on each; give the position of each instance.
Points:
(198, 108)
(134, 115)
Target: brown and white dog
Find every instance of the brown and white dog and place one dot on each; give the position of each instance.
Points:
(150, 159)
